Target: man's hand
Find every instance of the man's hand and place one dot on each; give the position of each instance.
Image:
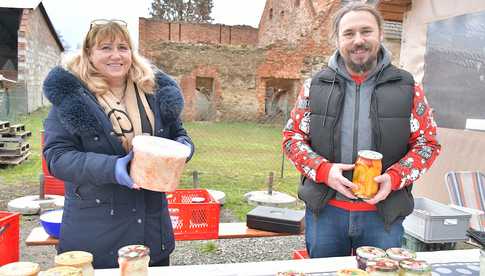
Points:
(384, 182)
(338, 182)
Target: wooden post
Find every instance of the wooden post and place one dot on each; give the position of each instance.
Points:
(270, 183)
(195, 177)
(41, 186)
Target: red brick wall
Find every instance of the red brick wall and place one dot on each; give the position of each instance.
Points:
(151, 30)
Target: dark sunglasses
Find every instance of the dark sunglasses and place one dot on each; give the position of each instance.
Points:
(99, 22)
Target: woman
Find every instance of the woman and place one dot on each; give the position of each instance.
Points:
(103, 98)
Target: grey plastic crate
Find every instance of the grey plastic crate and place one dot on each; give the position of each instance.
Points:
(434, 222)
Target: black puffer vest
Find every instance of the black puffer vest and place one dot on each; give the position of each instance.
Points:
(390, 110)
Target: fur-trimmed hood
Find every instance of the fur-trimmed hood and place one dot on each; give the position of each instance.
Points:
(65, 91)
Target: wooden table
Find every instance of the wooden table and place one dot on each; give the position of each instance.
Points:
(233, 230)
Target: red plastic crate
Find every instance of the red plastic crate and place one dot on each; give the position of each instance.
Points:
(9, 237)
(53, 186)
(300, 254)
(194, 214)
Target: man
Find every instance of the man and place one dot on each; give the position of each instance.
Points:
(360, 102)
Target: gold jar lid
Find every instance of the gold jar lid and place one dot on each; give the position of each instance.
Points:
(62, 271)
(382, 264)
(133, 251)
(73, 258)
(20, 269)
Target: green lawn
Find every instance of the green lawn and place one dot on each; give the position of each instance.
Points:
(231, 157)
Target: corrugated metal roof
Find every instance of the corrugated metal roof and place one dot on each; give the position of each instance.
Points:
(392, 29)
(20, 4)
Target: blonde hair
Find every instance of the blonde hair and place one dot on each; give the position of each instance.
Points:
(140, 72)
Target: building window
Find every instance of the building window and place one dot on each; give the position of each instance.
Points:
(282, 13)
(270, 14)
(297, 3)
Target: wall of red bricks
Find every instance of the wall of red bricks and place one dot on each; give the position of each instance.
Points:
(152, 30)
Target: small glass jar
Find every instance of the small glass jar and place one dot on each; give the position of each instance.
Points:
(79, 259)
(20, 269)
(62, 271)
(133, 260)
(398, 254)
(382, 267)
(412, 267)
(351, 272)
(366, 253)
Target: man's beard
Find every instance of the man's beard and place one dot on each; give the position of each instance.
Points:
(364, 67)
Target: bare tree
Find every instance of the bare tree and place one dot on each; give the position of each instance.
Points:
(182, 10)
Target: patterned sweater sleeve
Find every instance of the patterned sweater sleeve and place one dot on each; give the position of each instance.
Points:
(423, 145)
(296, 140)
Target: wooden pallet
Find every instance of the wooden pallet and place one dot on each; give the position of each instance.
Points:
(10, 142)
(14, 160)
(21, 135)
(15, 152)
(4, 125)
(18, 128)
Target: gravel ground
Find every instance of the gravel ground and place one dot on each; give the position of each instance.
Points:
(186, 252)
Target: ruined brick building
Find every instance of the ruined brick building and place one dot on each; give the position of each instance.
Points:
(244, 73)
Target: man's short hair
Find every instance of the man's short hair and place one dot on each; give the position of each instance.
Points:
(354, 6)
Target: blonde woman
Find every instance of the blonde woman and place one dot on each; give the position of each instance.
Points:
(102, 98)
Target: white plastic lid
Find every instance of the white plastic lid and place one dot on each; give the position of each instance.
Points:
(160, 146)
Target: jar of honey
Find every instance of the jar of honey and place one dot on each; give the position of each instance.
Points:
(62, 271)
(367, 166)
(133, 260)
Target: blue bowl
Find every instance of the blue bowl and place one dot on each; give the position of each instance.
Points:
(51, 221)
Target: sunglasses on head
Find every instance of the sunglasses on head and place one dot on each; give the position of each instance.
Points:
(98, 22)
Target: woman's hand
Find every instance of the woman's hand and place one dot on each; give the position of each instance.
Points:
(121, 172)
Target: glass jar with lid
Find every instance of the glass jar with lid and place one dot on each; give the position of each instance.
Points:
(398, 254)
(365, 253)
(412, 267)
(20, 269)
(133, 260)
(79, 259)
(382, 267)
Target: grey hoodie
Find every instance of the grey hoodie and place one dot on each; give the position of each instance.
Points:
(356, 128)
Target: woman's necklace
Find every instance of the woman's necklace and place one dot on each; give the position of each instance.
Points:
(119, 98)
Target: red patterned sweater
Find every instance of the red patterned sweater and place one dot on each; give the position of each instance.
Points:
(424, 148)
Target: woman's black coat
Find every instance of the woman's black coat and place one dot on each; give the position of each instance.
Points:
(100, 216)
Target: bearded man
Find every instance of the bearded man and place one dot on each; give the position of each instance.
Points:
(359, 102)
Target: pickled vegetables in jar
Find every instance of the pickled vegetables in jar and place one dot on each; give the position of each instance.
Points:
(367, 166)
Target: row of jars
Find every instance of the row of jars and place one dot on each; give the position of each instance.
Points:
(132, 259)
(392, 262)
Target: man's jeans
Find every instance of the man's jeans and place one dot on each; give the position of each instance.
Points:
(337, 232)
